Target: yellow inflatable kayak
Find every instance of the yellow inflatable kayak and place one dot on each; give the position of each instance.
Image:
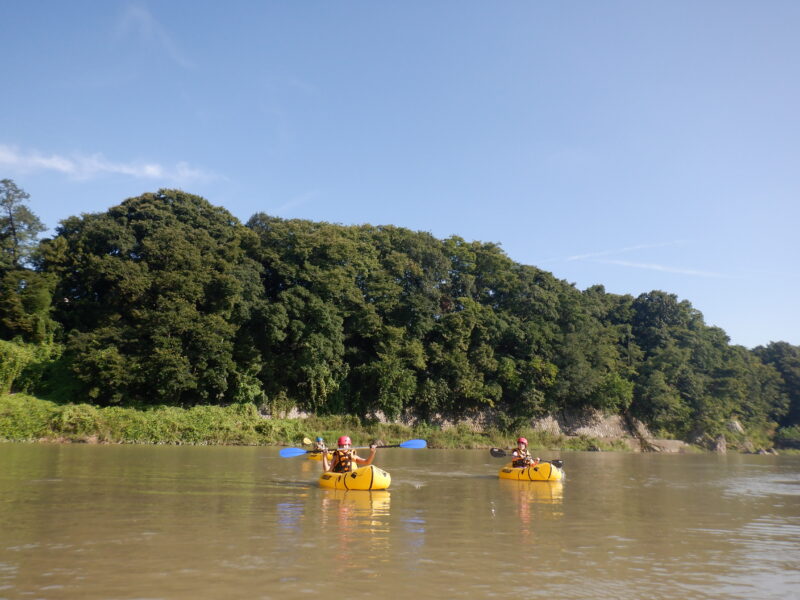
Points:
(544, 471)
(318, 455)
(364, 478)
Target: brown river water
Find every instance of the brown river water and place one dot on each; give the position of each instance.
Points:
(159, 522)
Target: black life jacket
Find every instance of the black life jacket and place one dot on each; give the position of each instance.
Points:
(343, 460)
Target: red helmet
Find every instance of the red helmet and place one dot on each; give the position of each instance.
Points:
(522, 441)
(344, 440)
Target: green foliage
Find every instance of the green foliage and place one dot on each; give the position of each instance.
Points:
(25, 418)
(18, 227)
(460, 436)
(661, 405)
(25, 295)
(614, 394)
(785, 359)
(77, 420)
(25, 306)
(586, 443)
(22, 365)
(167, 301)
(155, 292)
(788, 437)
(14, 358)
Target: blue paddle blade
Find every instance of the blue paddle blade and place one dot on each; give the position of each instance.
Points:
(291, 452)
(414, 444)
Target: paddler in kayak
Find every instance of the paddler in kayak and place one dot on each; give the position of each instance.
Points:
(343, 458)
(521, 457)
(319, 444)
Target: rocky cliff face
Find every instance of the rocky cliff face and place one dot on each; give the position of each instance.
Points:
(587, 423)
(595, 424)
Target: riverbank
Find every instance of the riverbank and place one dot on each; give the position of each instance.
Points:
(25, 418)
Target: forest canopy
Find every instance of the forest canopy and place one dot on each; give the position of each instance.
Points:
(167, 299)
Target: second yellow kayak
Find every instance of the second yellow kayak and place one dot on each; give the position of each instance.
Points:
(318, 455)
(544, 471)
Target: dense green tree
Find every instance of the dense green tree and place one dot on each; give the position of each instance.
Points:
(153, 293)
(306, 358)
(389, 383)
(656, 316)
(785, 359)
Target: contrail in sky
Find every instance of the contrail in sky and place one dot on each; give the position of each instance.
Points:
(654, 267)
(597, 257)
(624, 250)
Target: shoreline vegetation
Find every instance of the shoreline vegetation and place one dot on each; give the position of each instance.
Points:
(25, 418)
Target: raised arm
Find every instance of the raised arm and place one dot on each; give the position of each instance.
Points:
(367, 461)
(325, 466)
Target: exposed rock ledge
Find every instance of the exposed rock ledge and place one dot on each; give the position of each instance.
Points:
(595, 424)
(589, 423)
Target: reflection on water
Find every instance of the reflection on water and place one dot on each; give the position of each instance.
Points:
(535, 501)
(98, 522)
(290, 515)
(362, 503)
(534, 492)
(356, 516)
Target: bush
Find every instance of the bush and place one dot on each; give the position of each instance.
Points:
(25, 418)
(23, 366)
(78, 420)
(14, 358)
(788, 437)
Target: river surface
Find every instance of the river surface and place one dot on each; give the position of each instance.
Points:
(150, 522)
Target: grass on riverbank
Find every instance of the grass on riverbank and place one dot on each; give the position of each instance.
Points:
(26, 418)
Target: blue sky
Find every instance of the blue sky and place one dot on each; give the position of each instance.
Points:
(639, 145)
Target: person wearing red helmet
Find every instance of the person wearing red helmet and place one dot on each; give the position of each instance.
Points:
(521, 457)
(344, 458)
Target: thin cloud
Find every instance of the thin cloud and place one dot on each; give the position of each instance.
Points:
(139, 22)
(598, 257)
(84, 167)
(613, 251)
(663, 268)
(624, 250)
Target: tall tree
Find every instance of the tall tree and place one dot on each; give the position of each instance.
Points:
(19, 227)
(25, 295)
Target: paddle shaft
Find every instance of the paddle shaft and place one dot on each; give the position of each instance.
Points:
(358, 448)
(410, 444)
(500, 453)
